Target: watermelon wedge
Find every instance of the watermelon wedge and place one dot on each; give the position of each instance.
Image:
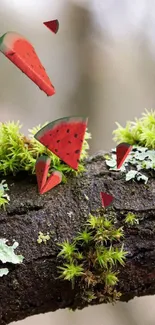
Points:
(106, 199)
(52, 25)
(42, 167)
(64, 137)
(19, 50)
(122, 151)
(52, 181)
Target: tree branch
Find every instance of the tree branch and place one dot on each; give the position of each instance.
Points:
(33, 287)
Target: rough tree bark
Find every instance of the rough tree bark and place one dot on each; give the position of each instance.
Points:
(33, 287)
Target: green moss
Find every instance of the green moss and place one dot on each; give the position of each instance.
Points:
(141, 132)
(141, 135)
(131, 219)
(93, 259)
(4, 197)
(42, 238)
(19, 153)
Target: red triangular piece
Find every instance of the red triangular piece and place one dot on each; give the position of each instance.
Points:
(106, 199)
(64, 137)
(52, 181)
(52, 25)
(122, 151)
(42, 168)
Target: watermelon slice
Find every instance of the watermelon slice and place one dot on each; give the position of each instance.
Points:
(19, 50)
(42, 168)
(52, 181)
(122, 151)
(52, 25)
(106, 199)
(64, 137)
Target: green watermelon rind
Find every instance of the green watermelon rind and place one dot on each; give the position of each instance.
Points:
(7, 40)
(44, 159)
(58, 173)
(51, 126)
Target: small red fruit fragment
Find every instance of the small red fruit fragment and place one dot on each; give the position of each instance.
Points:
(122, 151)
(52, 25)
(106, 199)
(42, 168)
(54, 180)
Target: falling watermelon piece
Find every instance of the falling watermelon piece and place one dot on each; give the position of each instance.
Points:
(64, 137)
(42, 168)
(106, 199)
(19, 50)
(52, 25)
(122, 151)
(54, 180)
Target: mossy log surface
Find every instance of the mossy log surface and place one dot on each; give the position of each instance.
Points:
(33, 287)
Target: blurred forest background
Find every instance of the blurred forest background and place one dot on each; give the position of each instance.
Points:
(102, 64)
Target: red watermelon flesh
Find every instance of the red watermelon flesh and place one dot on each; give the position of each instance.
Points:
(106, 199)
(64, 137)
(52, 181)
(122, 151)
(52, 25)
(42, 168)
(19, 50)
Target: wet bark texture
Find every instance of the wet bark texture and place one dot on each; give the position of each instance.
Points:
(33, 287)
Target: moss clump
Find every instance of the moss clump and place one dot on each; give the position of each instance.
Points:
(42, 238)
(93, 258)
(4, 197)
(131, 219)
(141, 132)
(19, 153)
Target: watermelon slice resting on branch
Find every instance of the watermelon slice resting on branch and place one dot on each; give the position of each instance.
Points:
(64, 137)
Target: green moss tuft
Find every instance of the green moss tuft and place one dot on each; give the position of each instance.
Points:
(141, 132)
(19, 153)
(42, 238)
(4, 197)
(93, 259)
(131, 219)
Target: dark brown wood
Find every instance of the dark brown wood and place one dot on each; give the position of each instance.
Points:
(33, 287)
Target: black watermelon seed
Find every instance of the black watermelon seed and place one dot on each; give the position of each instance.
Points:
(77, 151)
(75, 135)
(58, 141)
(67, 130)
(69, 142)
